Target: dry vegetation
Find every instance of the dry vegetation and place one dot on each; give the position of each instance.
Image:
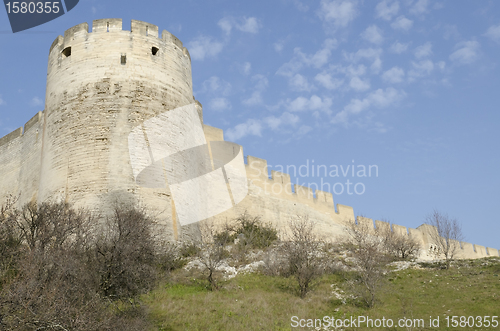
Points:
(58, 273)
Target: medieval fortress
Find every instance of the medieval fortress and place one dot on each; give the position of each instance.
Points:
(104, 84)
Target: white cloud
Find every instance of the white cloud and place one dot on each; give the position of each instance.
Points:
(340, 13)
(204, 46)
(220, 104)
(398, 47)
(300, 6)
(327, 81)
(419, 7)
(402, 23)
(369, 54)
(386, 11)
(394, 75)
(247, 66)
(358, 70)
(313, 103)
(36, 101)
(373, 34)
(216, 85)
(1, 100)
(225, 24)
(300, 59)
(255, 99)
(466, 52)
(300, 83)
(493, 33)
(379, 98)
(260, 84)
(278, 46)
(286, 118)
(451, 31)
(358, 84)
(250, 127)
(303, 130)
(250, 25)
(421, 69)
(423, 51)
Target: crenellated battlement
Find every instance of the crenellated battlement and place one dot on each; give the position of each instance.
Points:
(115, 25)
(280, 185)
(20, 132)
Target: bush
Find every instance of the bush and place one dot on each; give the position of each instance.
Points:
(61, 269)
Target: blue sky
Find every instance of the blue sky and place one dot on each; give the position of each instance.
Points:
(411, 87)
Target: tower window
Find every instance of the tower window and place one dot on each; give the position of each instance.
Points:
(154, 50)
(123, 59)
(66, 52)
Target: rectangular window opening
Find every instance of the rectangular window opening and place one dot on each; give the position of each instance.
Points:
(123, 59)
(107, 27)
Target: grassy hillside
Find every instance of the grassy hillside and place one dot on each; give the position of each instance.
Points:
(258, 302)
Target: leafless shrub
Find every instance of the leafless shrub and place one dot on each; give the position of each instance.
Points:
(56, 286)
(125, 253)
(368, 258)
(446, 235)
(10, 241)
(212, 251)
(302, 253)
(399, 245)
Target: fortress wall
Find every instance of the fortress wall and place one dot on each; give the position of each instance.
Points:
(31, 151)
(492, 251)
(480, 250)
(398, 229)
(365, 222)
(10, 162)
(279, 185)
(467, 251)
(382, 226)
(20, 153)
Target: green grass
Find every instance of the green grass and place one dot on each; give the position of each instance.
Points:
(258, 302)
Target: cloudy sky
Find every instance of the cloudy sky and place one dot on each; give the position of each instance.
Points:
(409, 87)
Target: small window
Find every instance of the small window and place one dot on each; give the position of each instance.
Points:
(123, 59)
(154, 50)
(66, 52)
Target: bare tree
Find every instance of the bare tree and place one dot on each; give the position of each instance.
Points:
(446, 234)
(212, 251)
(125, 253)
(302, 252)
(367, 250)
(399, 245)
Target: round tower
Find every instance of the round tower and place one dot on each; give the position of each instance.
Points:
(100, 85)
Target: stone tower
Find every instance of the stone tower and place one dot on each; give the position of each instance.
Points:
(101, 84)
